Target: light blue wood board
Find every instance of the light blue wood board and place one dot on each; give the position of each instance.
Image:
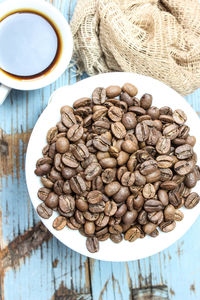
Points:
(174, 271)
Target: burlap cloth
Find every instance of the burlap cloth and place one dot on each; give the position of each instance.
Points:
(160, 39)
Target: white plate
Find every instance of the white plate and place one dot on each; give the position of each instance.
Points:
(162, 96)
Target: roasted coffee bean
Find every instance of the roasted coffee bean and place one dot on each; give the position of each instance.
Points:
(112, 188)
(43, 193)
(100, 155)
(115, 229)
(47, 182)
(51, 134)
(139, 179)
(59, 223)
(58, 162)
(139, 111)
(166, 119)
(121, 210)
(155, 233)
(166, 110)
(109, 162)
(167, 226)
(97, 184)
(122, 158)
(190, 180)
(77, 184)
(154, 136)
(110, 208)
(122, 194)
(62, 145)
(92, 244)
(90, 216)
(169, 213)
(171, 131)
(130, 216)
(149, 227)
(126, 98)
(114, 151)
(156, 185)
(149, 191)
(93, 170)
(192, 200)
(66, 108)
(156, 217)
(52, 150)
(130, 89)
(168, 185)
(175, 198)
(132, 234)
(153, 205)
(179, 116)
(89, 228)
(163, 197)
(142, 132)
(58, 187)
(69, 160)
(184, 167)
(54, 175)
(67, 172)
(44, 211)
(80, 151)
(129, 146)
(153, 112)
(44, 160)
(178, 215)
(142, 217)
(153, 177)
(118, 130)
(128, 179)
(146, 101)
(43, 169)
(99, 96)
(191, 140)
(108, 175)
(115, 113)
(166, 174)
(75, 133)
(97, 208)
(148, 167)
(129, 120)
(68, 118)
(52, 200)
(66, 203)
(101, 143)
(94, 197)
(184, 151)
(163, 145)
(116, 238)
(137, 202)
(85, 101)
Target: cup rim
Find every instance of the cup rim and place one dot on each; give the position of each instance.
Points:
(67, 44)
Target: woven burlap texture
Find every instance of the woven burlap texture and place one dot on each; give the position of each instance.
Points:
(160, 39)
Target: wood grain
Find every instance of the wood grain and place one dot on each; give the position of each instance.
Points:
(46, 269)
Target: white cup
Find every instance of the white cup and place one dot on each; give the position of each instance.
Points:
(8, 82)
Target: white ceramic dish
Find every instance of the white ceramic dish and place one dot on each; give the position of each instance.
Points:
(162, 96)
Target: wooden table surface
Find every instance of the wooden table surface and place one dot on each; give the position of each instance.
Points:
(36, 266)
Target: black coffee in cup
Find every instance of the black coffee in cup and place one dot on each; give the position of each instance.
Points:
(30, 44)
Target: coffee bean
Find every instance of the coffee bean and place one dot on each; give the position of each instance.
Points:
(122, 158)
(178, 215)
(153, 177)
(169, 213)
(109, 162)
(52, 132)
(80, 152)
(168, 185)
(110, 208)
(93, 170)
(52, 200)
(142, 217)
(46, 182)
(164, 161)
(43, 193)
(166, 174)
(75, 133)
(52, 150)
(85, 101)
(121, 210)
(44, 211)
(163, 197)
(122, 194)
(130, 89)
(142, 132)
(92, 244)
(129, 146)
(137, 202)
(68, 118)
(167, 226)
(69, 160)
(171, 131)
(126, 98)
(148, 167)
(101, 143)
(128, 179)
(163, 145)
(129, 217)
(77, 184)
(118, 130)
(116, 238)
(191, 140)
(139, 179)
(97, 208)
(175, 198)
(67, 172)
(179, 116)
(129, 120)
(99, 96)
(153, 112)
(59, 223)
(149, 191)
(58, 187)
(66, 203)
(132, 234)
(192, 200)
(146, 101)
(153, 205)
(94, 197)
(43, 169)
(149, 227)
(190, 180)
(89, 228)
(112, 188)
(184, 151)
(184, 167)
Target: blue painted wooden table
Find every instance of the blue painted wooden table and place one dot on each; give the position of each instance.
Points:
(36, 266)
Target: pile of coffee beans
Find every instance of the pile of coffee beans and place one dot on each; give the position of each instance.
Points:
(117, 167)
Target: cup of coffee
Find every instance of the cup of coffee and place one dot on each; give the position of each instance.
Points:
(36, 45)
